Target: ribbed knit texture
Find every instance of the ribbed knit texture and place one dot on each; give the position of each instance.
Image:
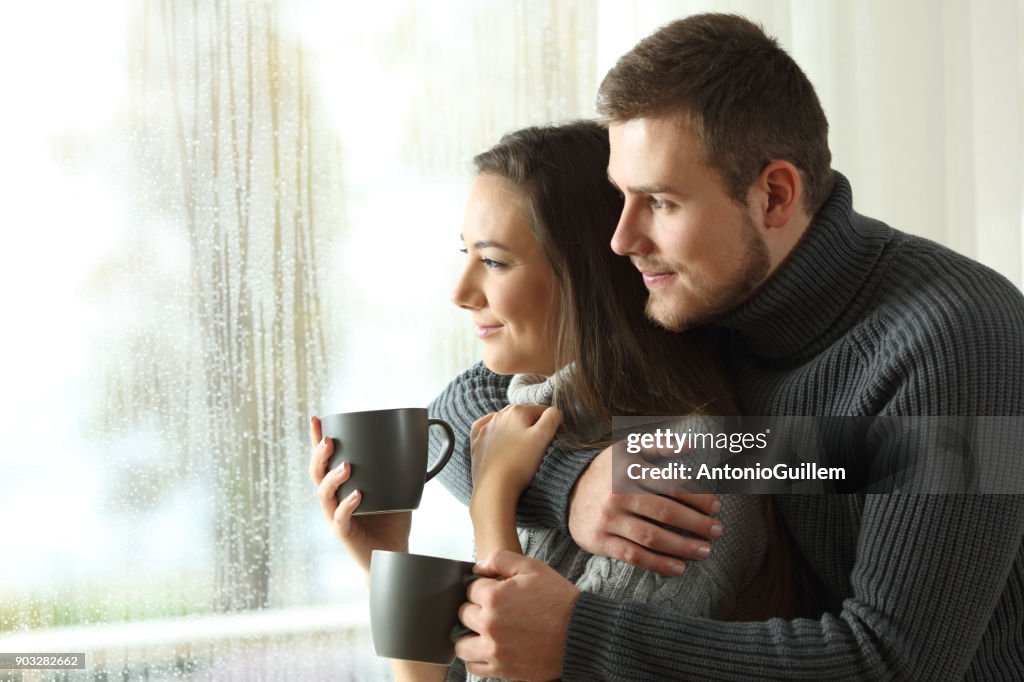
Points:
(477, 392)
(719, 586)
(861, 320)
(713, 587)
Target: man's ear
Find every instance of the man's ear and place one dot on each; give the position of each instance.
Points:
(783, 191)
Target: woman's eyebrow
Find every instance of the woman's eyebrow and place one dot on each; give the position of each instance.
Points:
(488, 244)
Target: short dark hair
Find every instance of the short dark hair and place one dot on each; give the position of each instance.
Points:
(748, 101)
(624, 364)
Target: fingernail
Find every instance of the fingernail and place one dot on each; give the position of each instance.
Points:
(341, 469)
(679, 568)
(704, 551)
(716, 507)
(323, 441)
(716, 531)
(352, 496)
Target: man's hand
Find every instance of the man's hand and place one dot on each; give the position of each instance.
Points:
(625, 526)
(521, 619)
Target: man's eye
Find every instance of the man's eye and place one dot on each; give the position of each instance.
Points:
(658, 204)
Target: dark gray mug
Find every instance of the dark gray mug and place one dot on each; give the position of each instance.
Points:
(387, 450)
(414, 605)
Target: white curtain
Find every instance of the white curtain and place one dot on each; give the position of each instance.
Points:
(222, 216)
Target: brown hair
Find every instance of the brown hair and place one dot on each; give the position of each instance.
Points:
(747, 100)
(622, 363)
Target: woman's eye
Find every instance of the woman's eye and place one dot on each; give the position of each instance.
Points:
(489, 263)
(492, 264)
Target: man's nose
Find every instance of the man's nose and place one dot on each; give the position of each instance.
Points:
(629, 238)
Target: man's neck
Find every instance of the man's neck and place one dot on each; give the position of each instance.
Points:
(781, 242)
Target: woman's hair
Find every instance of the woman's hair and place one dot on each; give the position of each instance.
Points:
(622, 363)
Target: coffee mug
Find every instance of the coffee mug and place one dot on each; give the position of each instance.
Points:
(414, 605)
(387, 452)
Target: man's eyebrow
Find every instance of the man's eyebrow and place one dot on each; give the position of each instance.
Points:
(652, 189)
(645, 189)
(487, 244)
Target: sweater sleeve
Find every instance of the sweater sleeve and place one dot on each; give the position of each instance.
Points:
(930, 570)
(931, 574)
(475, 393)
(714, 587)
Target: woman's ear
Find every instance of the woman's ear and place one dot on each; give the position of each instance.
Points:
(783, 189)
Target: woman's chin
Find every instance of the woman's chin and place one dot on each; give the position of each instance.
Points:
(508, 367)
(499, 367)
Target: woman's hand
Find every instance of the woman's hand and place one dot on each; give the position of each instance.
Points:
(507, 448)
(509, 445)
(360, 534)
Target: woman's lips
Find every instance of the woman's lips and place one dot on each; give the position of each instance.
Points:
(485, 330)
(654, 279)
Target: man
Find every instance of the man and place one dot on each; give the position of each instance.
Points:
(733, 217)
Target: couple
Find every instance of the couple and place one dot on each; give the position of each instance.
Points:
(744, 237)
(562, 323)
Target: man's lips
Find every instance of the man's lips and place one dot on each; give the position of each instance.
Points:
(653, 278)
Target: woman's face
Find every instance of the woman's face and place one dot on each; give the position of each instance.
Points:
(507, 284)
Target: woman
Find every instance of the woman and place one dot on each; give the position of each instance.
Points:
(553, 306)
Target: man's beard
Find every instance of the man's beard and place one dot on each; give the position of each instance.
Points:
(715, 299)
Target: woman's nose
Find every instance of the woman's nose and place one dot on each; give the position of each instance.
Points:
(467, 294)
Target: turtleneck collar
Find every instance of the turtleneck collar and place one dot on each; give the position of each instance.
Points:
(800, 309)
(537, 389)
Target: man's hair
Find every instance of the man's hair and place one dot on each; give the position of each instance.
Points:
(746, 99)
(622, 363)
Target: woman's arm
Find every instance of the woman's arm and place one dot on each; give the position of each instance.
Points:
(474, 394)
(506, 450)
(603, 523)
(411, 671)
(360, 535)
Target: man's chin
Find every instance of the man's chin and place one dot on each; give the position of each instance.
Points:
(666, 315)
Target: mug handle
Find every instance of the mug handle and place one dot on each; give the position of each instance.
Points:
(447, 453)
(460, 630)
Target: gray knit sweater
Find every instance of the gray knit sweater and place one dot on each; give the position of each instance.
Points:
(715, 587)
(861, 320)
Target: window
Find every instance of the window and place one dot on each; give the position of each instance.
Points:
(222, 217)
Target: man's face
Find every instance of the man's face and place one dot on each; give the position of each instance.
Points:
(699, 252)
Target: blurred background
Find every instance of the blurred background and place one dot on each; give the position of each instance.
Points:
(222, 217)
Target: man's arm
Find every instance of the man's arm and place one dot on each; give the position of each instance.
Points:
(931, 574)
(931, 571)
